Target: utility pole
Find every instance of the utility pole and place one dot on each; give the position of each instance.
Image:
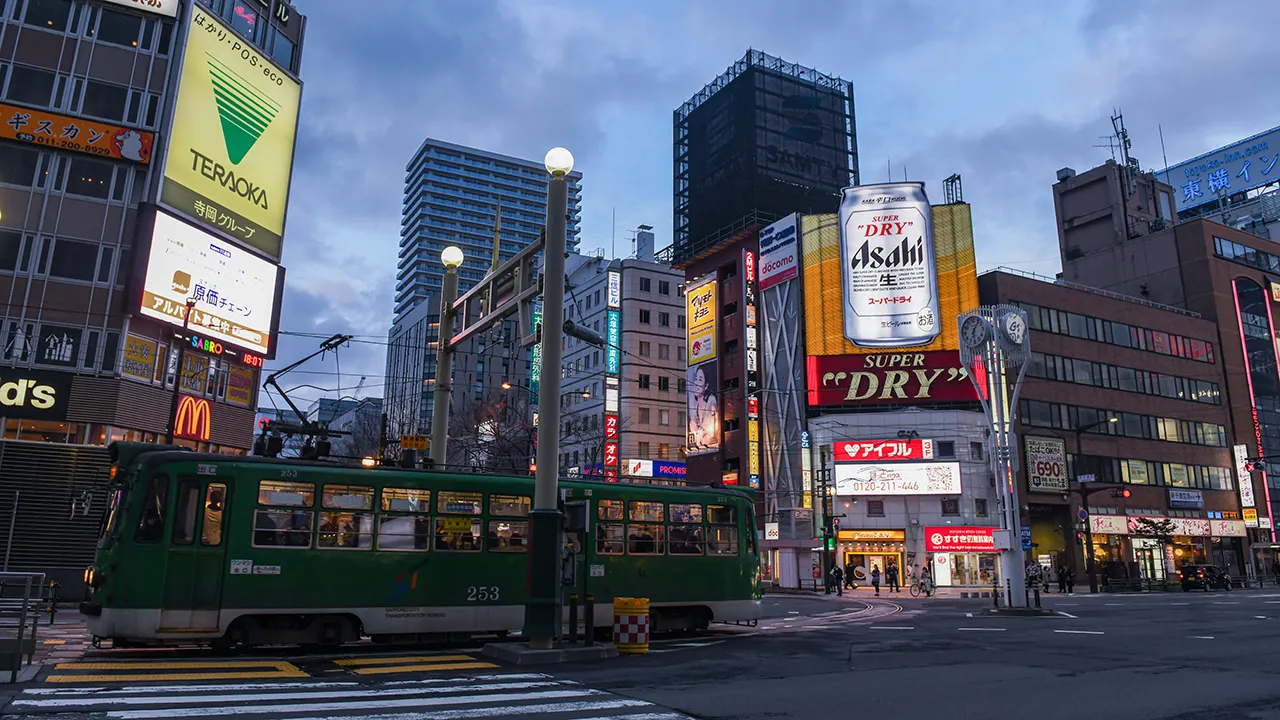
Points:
(1090, 563)
(452, 258)
(828, 522)
(542, 613)
(177, 375)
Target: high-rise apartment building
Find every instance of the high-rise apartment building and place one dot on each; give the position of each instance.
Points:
(117, 116)
(456, 195)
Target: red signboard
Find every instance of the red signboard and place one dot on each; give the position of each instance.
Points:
(890, 377)
(611, 427)
(863, 450)
(960, 539)
(750, 264)
(611, 454)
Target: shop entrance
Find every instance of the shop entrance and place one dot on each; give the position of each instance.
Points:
(862, 550)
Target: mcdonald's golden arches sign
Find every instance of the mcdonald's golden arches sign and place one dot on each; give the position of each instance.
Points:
(192, 420)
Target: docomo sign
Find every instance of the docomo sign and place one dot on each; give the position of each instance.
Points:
(861, 450)
(959, 539)
(779, 252)
(898, 479)
(895, 377)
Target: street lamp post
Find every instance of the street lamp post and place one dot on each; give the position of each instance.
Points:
(452, 258)
(542, 613)
(177, 375)
(1090, 568)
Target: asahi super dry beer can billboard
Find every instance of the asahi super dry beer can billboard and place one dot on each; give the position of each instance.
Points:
(889, 276)
(898, 269)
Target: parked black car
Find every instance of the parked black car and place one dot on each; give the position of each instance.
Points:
(1204, 577)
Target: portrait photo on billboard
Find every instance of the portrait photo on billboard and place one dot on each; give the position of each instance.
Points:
(899, 270)
(704, 409)
(236, 294)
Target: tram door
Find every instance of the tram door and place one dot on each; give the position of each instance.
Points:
(197, 556)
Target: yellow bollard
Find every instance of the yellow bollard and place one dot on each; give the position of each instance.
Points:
(631, 625)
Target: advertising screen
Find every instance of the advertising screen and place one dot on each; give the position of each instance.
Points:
(39, 127)
(960, 539)
(700, 308)
(863, 450)
(888, 377)
(1047, 465)
(235, 291)
(872, 290)
(230, 152)
(780, 252)
(936, 478)
(704, 409)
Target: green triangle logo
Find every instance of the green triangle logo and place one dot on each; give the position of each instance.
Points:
(245, 112)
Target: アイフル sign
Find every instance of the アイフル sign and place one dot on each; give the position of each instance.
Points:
(865, 450)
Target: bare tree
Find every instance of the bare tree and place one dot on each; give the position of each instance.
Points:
(365, 438)
(493, 434)
(585, 431)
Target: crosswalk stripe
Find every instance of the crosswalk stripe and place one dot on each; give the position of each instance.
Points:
(181, 665)
(278, 697)
(423, 668)
(403, 659)
(363, 705)
(531, 710)
(229, 687)
(173, 677)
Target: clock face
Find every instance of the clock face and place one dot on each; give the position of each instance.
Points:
(973, 332)
(1015, 328)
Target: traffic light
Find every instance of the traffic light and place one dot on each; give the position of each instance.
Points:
(1121, 493)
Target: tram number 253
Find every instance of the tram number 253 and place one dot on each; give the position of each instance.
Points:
(482, 593)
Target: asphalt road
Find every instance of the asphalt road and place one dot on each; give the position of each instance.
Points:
(1166, 656)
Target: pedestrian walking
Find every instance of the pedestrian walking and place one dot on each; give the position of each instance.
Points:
(875, 578)
(837, 578)
(1071, 582)
(1044, 578)
(1033, 574)
(891, 574)
(1062, 580)
(848, 575)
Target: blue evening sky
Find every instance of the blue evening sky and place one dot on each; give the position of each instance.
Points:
(1004, 93)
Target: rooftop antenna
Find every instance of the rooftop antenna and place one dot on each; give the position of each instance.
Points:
(613, 241)
(953, 189)
(888, 168)
(1163, 154)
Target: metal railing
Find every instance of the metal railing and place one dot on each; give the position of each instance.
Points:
(1096, 291)
(23, 599)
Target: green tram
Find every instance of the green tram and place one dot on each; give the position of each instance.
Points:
(229, 550)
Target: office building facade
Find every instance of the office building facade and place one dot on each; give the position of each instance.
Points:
(456, 195)
(91, 93)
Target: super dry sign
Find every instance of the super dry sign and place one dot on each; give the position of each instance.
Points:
(892, 377)
(193, 419)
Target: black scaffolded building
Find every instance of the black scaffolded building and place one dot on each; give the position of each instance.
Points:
(764, 139)
(87, 107)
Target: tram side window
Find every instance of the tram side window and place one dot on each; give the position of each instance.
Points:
(722, 515)
(508, 536)
(682, 513)
(722, 540)
(510, 505)
(345, 530)
(645, 539)
(458, 534)
(609, 509)
(645, 511)
(402, 532)
(184, 525)
(347, 497)
(289, 525)
(215, 498)
(609, 537)
(460, 503)
(685, 539)
(151, 524)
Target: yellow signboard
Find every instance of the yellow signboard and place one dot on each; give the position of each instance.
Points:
(240, 386)
(1250, 517)
(231, 147)
(413, 442)
(195, 369)
(139, 359)
(700, 308)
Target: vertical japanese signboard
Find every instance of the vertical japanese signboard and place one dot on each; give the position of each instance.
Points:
(535, 361)
(703, 374)
(806, 470)
(613, 366)
(1047, 465)
(700, 308)
(751, 335)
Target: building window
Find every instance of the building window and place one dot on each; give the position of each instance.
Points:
(664, 417)
(644, 349)
(975, 450)
(946, 448)
(664, 287)
(950, 506)
(47, 14)
(980, 507)
(731, 347)
(118, 28)
(105, 101)
(664, 383)
(30, 86)
(642, 449)
(730, 384)
(664, 319)
(644, 416)
(18, 164)
(664, 352)
(680, 354)
(644, 317)
(730, 424)
(645, 285)
(643, 382)
(680, 322)
(282, 49)
(72, 260)
(729, 309)
(664, 451)
(875, 508)
(681, 385)
(245, 20)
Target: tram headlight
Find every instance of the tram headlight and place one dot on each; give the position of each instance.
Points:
(92, 577)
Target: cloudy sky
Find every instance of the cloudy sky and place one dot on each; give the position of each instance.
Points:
(1002, 96)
